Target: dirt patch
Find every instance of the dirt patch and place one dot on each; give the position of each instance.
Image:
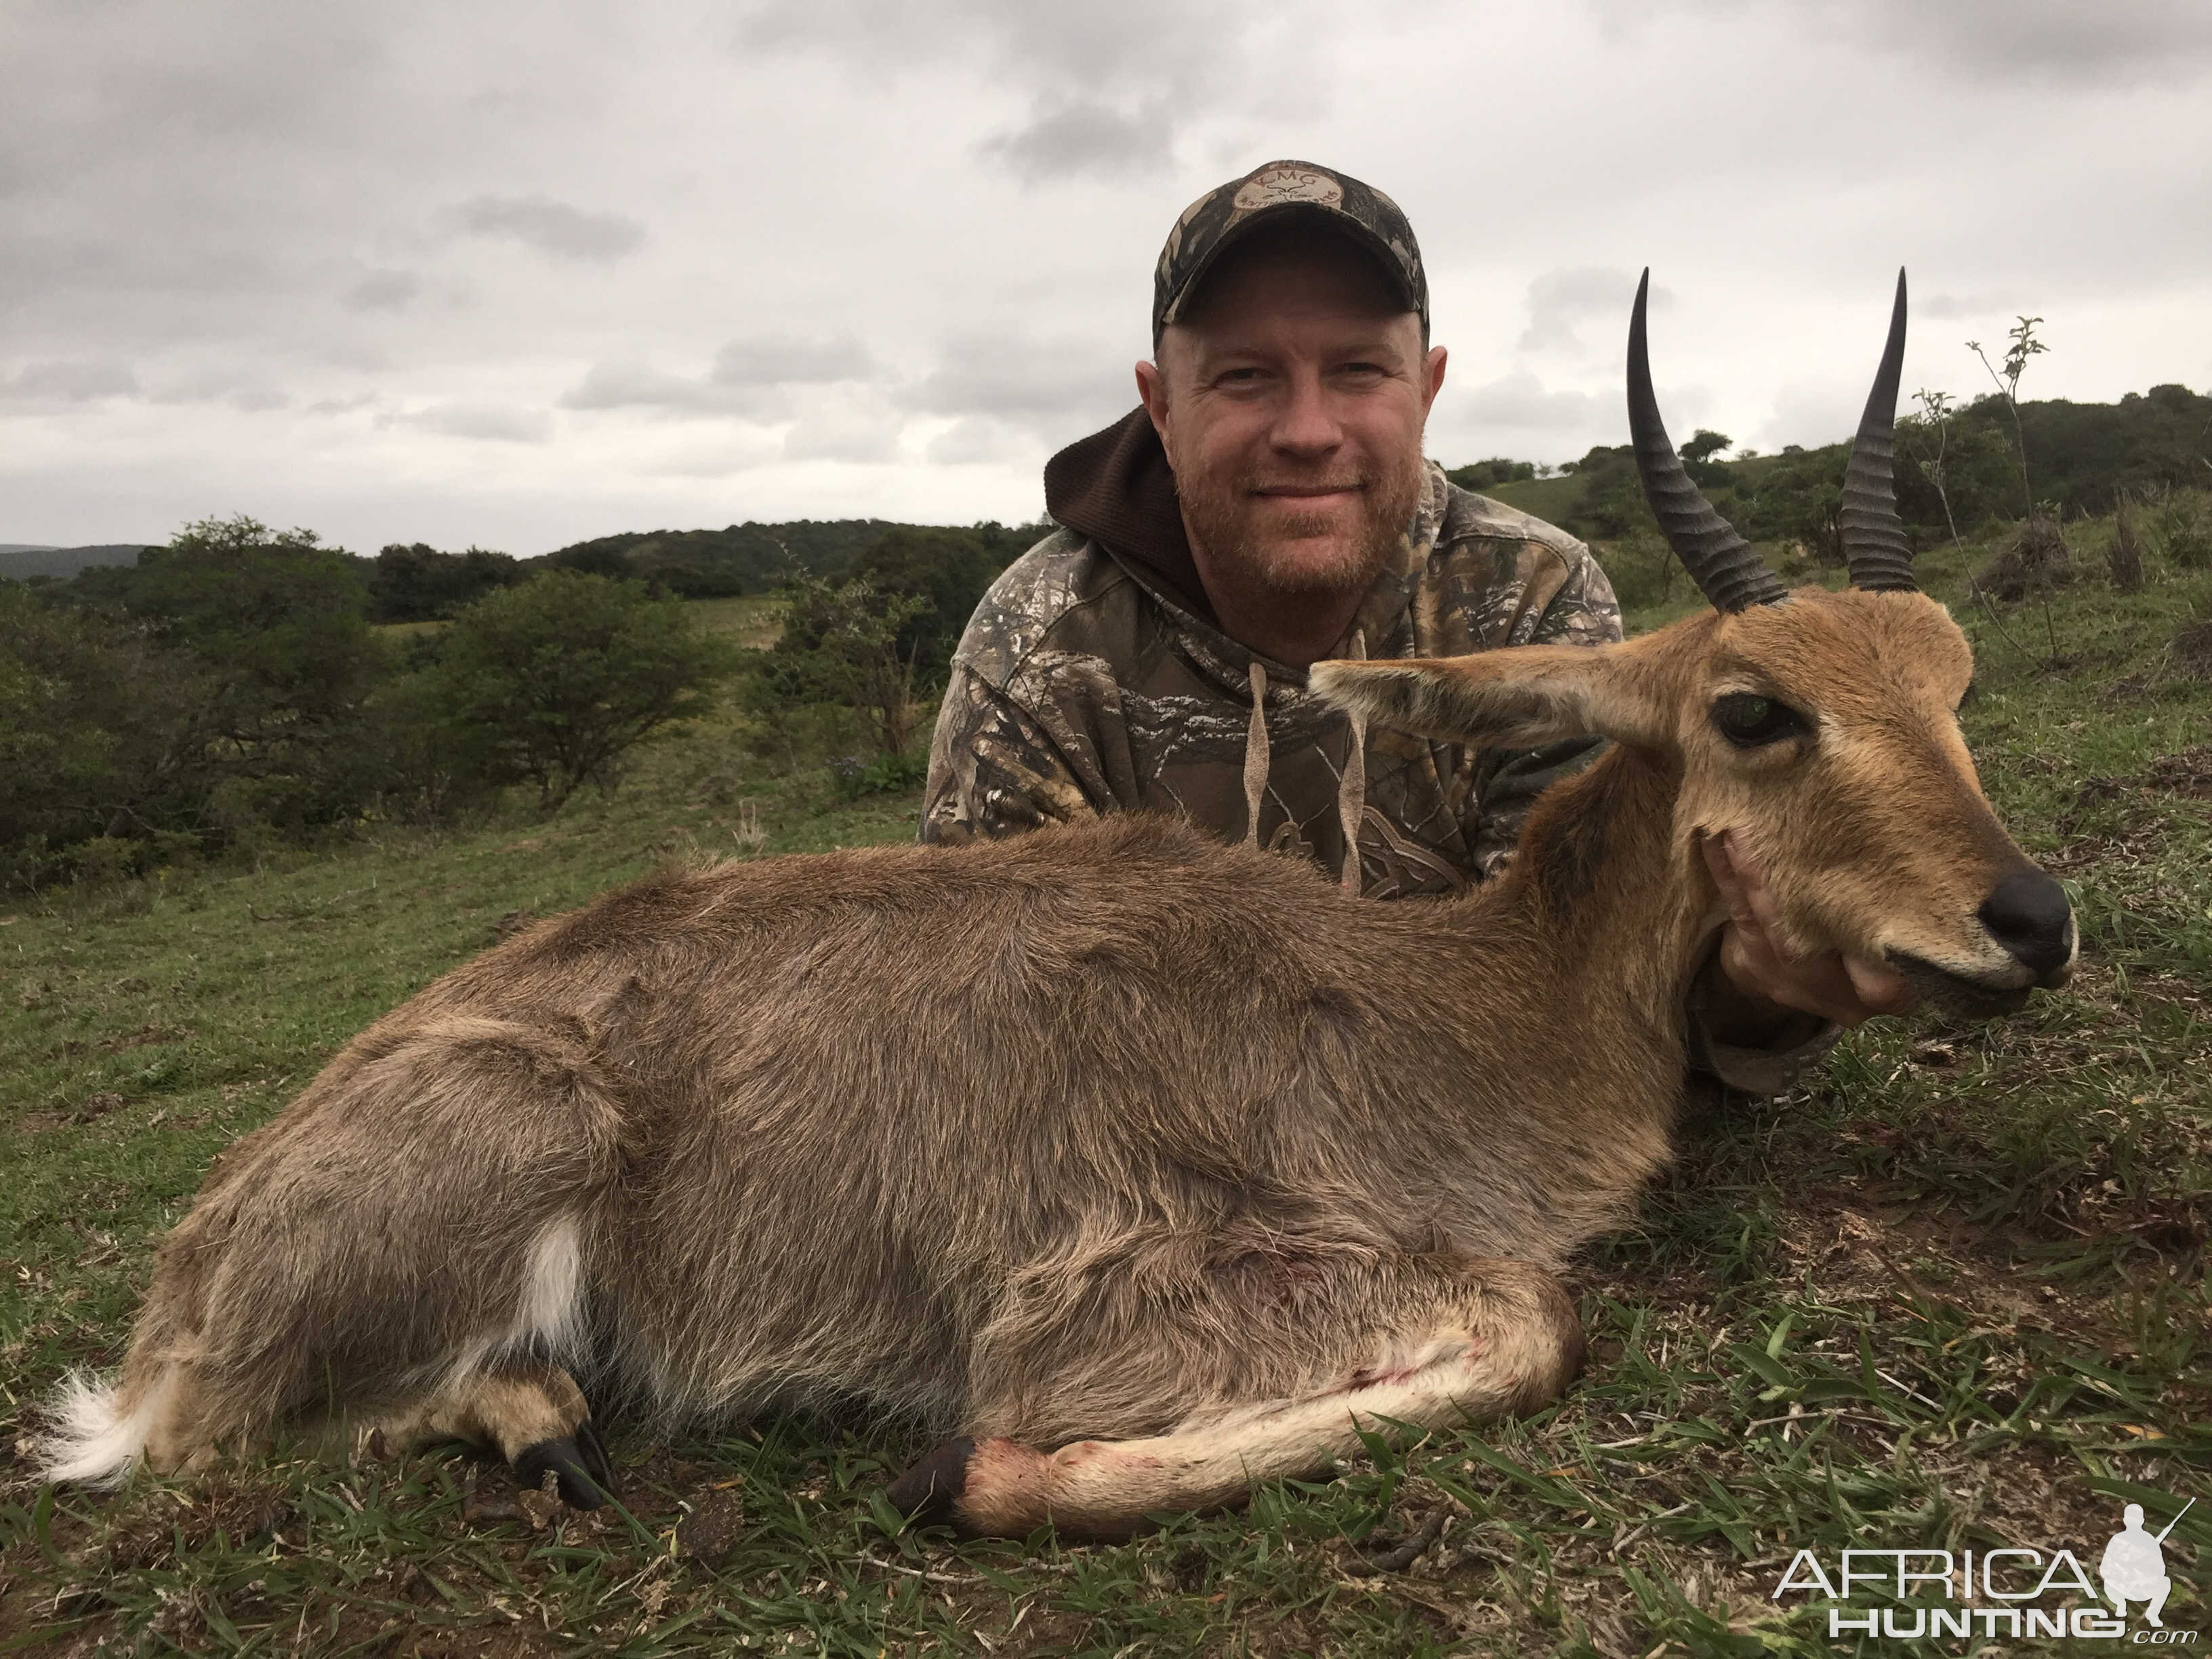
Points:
(714, 1527)
(2186, 773)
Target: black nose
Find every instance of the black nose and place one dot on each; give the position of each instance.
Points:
(2028, 915)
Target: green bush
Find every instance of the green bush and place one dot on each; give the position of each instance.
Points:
(553, 682)
(418, 583)
(884, 775)
(103, 735)
(843, 647)
(271, 630)
(419, 765)
(2181, 528)
(948, 571)
(1642, 570)
(1968, 462)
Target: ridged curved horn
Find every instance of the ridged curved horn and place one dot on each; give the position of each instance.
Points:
(1718, 560)
(1875, 547)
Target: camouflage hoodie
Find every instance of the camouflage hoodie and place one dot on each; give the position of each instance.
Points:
(1093, 678)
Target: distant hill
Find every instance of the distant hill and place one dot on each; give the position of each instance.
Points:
(19, 560)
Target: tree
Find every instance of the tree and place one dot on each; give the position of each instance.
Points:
(1936, 412)
(279, 619)
(103, 736)
(2024, 345)
(276, 628)
(418, 583)
(839, 645)
(554, 681)
(948, 570)
(1697, 458)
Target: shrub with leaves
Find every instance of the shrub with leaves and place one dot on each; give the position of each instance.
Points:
(2184, 521)
(843, 644)
(554, 681)
(103, 736)
(209, 694)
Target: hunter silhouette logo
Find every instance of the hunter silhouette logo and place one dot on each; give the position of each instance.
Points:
(2014, 1592)
(2134, 1567)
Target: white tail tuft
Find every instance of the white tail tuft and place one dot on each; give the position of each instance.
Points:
(93, 1443)
(551, 1313)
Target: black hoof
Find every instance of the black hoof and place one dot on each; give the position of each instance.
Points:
(927, 1492)
(578, 1464)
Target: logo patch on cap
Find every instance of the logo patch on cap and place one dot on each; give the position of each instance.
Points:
(1214, 221)
(1273, 186)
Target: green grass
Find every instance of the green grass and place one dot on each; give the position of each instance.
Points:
(1549, 499)
(755, 619)
(1950, 1294)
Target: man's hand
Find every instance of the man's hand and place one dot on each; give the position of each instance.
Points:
(1754, 965)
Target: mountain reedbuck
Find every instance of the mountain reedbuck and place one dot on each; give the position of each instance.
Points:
(1152, 1166)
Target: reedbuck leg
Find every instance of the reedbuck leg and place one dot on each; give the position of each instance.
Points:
(409, 1241)
(1477, 1339)
(531, 1413)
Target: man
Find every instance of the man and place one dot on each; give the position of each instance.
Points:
(1267, 507)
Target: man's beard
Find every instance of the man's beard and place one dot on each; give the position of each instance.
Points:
(1289, 555)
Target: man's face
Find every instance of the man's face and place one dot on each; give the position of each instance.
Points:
(1291, 401)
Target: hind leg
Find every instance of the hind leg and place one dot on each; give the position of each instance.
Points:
(1429, 1341)
(532, 1414)
(422, 1212)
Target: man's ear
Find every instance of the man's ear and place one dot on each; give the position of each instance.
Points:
(1153, 392)
(1515, 698)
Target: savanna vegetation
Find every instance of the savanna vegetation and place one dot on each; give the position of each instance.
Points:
(1961, 471)
(1948, 1294)
(245, 688)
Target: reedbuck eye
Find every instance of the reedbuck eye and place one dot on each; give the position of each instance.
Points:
(1749, 721)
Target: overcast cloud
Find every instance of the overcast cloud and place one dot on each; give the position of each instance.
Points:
(518, 276)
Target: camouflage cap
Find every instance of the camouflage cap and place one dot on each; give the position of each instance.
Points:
(1217, 220)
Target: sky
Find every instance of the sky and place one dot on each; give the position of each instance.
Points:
(514, 276)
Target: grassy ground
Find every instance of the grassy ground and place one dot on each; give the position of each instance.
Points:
(1951, 1295)
(754, 618)
(1549, 499)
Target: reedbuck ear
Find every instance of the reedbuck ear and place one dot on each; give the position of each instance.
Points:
(1513, 698)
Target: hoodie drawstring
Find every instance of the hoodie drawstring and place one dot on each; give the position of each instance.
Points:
(1351, 788)
(1352, 785)
(1255, 757)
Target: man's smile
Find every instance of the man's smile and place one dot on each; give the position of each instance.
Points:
(1321, 492)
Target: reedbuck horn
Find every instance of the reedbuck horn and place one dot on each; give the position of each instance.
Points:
(1875, 547)
(1718, 560)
